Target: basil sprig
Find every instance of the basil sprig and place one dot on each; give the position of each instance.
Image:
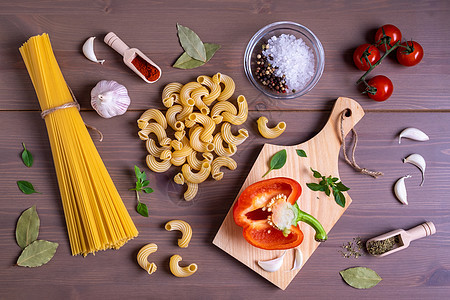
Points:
(329, 183)
(141, 186)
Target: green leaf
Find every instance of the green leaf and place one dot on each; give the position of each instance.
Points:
(187, 62)
(301, 153)
(137, 172)
(145, 183)
(148, 190)
(277, 161)
(27, 158)
(360, 277)
(334, 179)
(339, 198)
(37, 254)
(142, 209)
(27, 229)
(340, 186)
(316, 174)
(26, 187)
(191, 43)
(315, 187)
(138, 185)
(327, 191)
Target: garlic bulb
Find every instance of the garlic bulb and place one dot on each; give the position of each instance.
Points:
(400, 190)
(413, 134)
(88, 50)
(110, 99)
(418, 161)
(273, 264)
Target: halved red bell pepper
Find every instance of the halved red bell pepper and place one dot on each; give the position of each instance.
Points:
(268, 212)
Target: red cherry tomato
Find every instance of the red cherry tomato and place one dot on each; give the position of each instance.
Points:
(373, 55)
(381, 87)
(390, 31)
(411, 55)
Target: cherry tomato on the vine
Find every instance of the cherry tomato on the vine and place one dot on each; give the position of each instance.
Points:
(383, 86)
(390, 31)
(373, 55)
(410, 54)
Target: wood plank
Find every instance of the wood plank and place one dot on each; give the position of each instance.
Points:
(419, 271)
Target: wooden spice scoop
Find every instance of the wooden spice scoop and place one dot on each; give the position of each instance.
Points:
(112, 40)
(405, 237)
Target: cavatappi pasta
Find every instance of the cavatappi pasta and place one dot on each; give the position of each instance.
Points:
(142, 258)
(201, 114)
(95, 215)
(270, 133)
(181, 271)
(184, 227)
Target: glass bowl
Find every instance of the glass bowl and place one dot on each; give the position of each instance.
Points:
(276, 29)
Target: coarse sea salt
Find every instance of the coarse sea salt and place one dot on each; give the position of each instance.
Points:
(293, 58)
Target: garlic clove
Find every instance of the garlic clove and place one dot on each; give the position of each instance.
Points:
(400, 190)
(413, 134)
(298, 261)
(273, 264)
(88, 50)
(110, 99)
(418, 161)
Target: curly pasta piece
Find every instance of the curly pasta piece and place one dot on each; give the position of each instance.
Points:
(157, 166)
(171, 116)
(222, 161)
(228, 136)
(242, 115)
(270, 133)
(214, 89)
(166, 155)
(179, 179)
(191, 191)
(158, 130)
(142, 258)
(197, 95)
(181, 271)
(228, 82)
(152, 114)
(184, 227)
(195, 163)
(184, 151)
(219, 108)
(178, 161)
(186, 111)
(208, 126)
(153, 149)
(179, 135)
(185, 92)
(176, 145)
(196, 143)
(198, 177)
(220, 149)
(171, 89)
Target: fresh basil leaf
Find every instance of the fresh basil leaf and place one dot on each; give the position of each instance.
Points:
(27, 158)
(334, 179)
(360, 277)
(340, 186)
(339, 198)
(142, 209)
(26, 187)
(315, 187)
(27, 229)
(277, 161)
(37, 254)
(301, 153)
(145, 183)
(316, 174)
(148, 190)
(327, 191)
(323, 182)
(191, 43)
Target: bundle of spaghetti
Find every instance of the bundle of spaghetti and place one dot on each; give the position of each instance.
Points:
(96, 217)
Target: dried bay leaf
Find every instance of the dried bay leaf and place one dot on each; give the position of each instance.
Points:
(186, 62)
(360, 277)
(26, 187)
(27, 229)
(191, 43)
(37, 254)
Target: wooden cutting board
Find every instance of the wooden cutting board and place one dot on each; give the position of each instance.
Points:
(322, 155)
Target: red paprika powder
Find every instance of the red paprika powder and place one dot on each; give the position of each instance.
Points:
(146, 69)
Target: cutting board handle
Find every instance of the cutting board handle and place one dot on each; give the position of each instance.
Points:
(353, 112)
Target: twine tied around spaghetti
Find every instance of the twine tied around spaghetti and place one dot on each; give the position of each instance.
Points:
(74, 103)
(352, 162)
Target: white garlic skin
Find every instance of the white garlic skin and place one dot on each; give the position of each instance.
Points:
(400, 190)
(110, 99)
(413, 134)
(418, 161)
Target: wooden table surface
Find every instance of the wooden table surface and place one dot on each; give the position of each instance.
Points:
(420, 99)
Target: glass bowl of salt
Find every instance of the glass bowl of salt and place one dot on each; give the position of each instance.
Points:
(284, 60)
